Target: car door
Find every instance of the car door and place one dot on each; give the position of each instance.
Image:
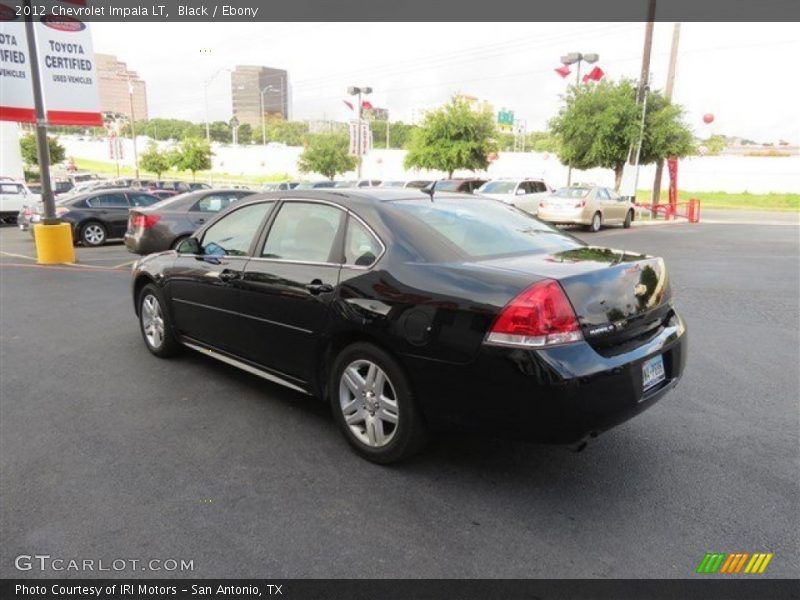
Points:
(289, 285)
(205, 287)
(110, 208)
(611, 208)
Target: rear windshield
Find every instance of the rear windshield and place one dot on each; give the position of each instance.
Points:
(572, 192)
(498, 187)
(448, 186)
(475, 229)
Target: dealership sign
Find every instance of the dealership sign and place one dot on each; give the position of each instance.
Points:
(66, 66)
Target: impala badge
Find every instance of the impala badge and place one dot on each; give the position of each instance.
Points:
(640, 290)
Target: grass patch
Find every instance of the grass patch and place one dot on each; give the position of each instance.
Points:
(109, 169)
(742, 201)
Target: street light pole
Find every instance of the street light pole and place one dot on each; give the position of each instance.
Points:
(575, 58)
(358, 91)
(133, 132)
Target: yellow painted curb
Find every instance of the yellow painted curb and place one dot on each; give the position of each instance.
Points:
(53, 244)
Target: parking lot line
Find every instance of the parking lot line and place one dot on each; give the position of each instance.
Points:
(17, 255)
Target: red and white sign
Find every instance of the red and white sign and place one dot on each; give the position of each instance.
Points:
(16, 87)
(68, 71)
(365, 138)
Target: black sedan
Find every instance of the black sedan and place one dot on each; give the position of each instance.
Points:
(409, 313)
(99, 216)
(163, 225)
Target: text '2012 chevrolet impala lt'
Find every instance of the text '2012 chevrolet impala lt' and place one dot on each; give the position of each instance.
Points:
(411, 313)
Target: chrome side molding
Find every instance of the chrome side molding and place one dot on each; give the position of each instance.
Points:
(244, 366)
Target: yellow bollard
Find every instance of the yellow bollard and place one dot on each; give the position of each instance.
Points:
(53, 243)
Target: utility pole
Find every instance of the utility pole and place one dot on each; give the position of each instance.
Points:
(644, 87)
(42, 147)
(133, 132)
(673, 63)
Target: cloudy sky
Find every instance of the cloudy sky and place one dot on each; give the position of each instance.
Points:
(743, 73)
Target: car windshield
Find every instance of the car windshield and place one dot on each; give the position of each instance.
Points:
(344, 184)
(476, 229)
(498, 187)
(572, 192)
(393, 184)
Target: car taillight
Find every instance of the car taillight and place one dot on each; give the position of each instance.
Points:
(143, 221)
(580, 204)
(540, 316)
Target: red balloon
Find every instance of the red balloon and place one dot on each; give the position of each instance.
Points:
(708, 118)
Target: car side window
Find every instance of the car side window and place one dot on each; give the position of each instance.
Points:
(10, 188)
(234, 232)
(538, 187)
(142, 199)
(304, 232)
(361, 248)
(108, 201)
(214, 203)
(602, 193)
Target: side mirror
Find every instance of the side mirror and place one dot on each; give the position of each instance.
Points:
(190, 246)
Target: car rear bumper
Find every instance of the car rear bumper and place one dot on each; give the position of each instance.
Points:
(576, 217)
(142, 244)
(560, 395)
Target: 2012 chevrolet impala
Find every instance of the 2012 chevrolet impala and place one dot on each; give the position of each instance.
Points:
(411, 312)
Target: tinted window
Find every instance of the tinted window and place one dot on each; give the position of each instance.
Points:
(443, 229)
(539, 186)
(360, 246)
(142, 199)
(214, 203)
(108, 201)
(304, 232)
(234, 232)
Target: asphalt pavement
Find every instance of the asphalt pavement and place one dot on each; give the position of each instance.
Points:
(107, 452)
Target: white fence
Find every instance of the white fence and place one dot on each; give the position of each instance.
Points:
(701, 174)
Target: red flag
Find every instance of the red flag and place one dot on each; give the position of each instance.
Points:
(595, 74)
(366, 104)
(348, 104)
(563, 71)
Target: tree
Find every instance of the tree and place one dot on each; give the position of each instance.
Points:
(245, 133)
(29, 153)
(291, 133)
(193, 155)
(453, 137)
(715, 144)
(154, 160)
(327, 153)
(598, 125)
(220, 131)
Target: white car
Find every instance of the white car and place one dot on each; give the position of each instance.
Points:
(525, 194)
(14, 197)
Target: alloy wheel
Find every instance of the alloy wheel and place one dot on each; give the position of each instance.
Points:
(368, 402)
(94, 234)
(152, 321)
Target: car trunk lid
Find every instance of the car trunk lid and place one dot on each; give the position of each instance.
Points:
(617, 295)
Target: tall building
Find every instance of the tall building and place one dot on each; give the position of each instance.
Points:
(113, 79)
(249, 84)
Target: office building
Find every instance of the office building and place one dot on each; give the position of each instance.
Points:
(255, 89)
(113, 80)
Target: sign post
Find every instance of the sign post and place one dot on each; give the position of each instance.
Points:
(55, 81)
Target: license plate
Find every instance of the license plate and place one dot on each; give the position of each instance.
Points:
(652, 372)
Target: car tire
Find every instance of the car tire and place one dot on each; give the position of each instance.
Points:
(155, 323)
(597, 222)
(628, 220)
(93, 233)
(374, 405)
